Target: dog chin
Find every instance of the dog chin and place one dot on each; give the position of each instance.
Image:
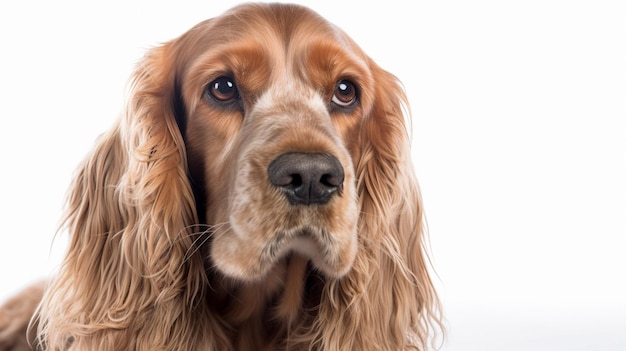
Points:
(244, 267)
(307, 247)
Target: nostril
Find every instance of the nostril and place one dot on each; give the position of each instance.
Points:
(306, 178)
(296, 180)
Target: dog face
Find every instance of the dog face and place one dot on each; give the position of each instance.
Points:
(273, 109)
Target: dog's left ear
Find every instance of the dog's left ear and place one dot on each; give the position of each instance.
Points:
(389, 290)
(390, 190)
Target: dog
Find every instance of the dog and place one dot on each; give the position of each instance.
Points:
(257, 193)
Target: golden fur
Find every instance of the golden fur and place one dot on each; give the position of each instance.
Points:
(179, 241)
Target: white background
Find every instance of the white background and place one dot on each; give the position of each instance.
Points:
(519, 144)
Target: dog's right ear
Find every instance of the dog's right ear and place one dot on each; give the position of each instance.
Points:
(130, 217)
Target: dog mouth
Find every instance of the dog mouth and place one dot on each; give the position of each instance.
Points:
(332, 254)
(308, 243)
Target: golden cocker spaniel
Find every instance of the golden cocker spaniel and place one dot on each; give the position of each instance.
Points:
(256, 194)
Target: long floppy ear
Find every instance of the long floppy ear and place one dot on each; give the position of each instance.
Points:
(130, 218)
(388, 301)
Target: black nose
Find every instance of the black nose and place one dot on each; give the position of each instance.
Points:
(307, 178)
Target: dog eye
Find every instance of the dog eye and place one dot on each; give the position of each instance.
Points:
(223, 89)
(345, 93)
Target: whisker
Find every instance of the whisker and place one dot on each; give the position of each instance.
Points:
(201, 237)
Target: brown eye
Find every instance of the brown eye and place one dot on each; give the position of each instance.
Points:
(345, 93)
(223, 89)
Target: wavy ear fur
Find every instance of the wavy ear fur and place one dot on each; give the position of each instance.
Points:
(392, 265)
(130, 218)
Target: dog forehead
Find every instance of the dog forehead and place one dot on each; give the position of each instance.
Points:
(286, 95)
(284, 23)
(285, 19)
(257, 34)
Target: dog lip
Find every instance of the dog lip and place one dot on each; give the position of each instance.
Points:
(288, 241)
(308, 243)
